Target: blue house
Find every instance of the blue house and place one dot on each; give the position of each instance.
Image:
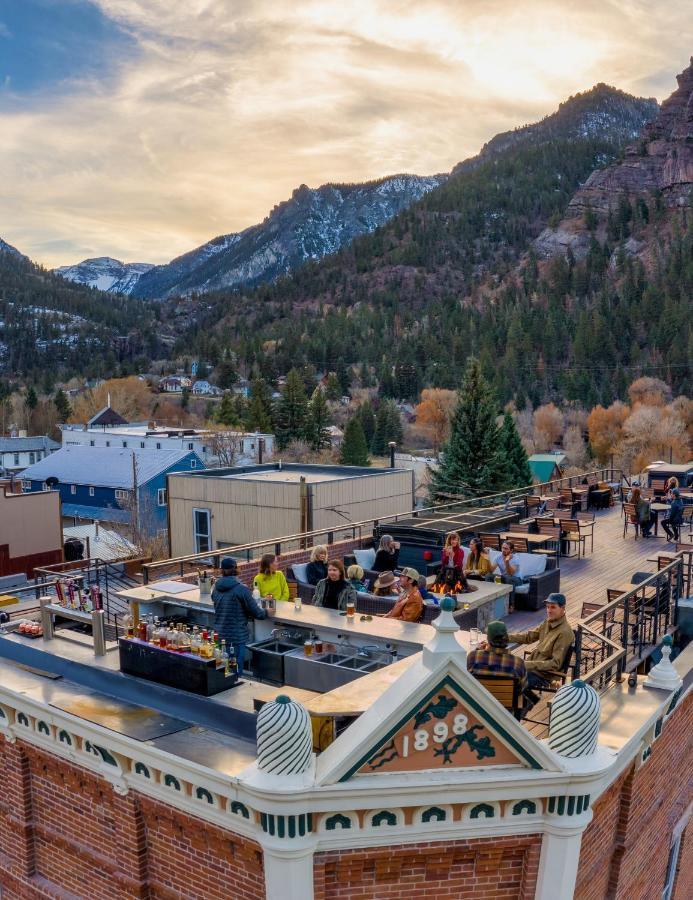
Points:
(112, 484)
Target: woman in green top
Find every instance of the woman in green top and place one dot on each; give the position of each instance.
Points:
(270, 581)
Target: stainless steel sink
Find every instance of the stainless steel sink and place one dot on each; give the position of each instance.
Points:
(325, 672)
(268, 658)
(275, 646)
(354, 662)
(333, 659)
(373, 667)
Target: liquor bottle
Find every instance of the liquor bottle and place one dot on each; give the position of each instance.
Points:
(129, 626)
(161, 634)
(225, 659)
(207, 651)
(186, 646)
(217, 655)
(142, 630)
(171, 637)
(195, 641)
(152, 628)
(233, 662)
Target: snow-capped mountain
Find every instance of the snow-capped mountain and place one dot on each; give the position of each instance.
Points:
(311, 224)
(8, 248)
(105, 274)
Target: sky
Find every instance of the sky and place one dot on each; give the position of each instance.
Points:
(140, 129)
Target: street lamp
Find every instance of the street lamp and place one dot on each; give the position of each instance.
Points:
(392, 446)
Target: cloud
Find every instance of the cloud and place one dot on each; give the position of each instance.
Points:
(226, 107)
(5, 31)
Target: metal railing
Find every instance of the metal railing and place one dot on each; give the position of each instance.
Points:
(626, 631)
(364, 529)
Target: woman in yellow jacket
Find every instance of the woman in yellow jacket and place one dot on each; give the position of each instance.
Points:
(270, 581)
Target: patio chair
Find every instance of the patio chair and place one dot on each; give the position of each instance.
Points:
(490, 539)
(506, 690)
(630, 518)
(571, 534)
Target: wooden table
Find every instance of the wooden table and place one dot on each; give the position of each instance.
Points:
(649, 592)
(533, 540)
(657, 508)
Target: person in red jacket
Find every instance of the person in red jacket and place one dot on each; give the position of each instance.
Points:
(452, 563)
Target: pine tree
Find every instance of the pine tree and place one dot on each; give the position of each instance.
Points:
(62, 404)
(471, 462)
(367, 417)
(227, 413)
(517, 466)
(317, 422)
(292, 410)
(388, 427)
(333, 389)
(226, 374)
(31, 399)
(259, 415)
(185, 398)
(354, 450)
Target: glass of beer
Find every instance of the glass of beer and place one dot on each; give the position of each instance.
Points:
(498, 579)
(308, 648)
(474, 635)
(351, 609)
(317, 644)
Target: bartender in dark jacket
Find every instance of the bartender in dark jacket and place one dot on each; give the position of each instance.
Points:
(387, 555)
(234, 607)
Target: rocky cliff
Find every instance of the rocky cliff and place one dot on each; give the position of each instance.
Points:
(659, 163)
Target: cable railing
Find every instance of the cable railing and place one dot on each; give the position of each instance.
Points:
(358, 531)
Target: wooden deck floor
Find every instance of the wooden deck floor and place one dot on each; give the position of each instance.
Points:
(612, 562)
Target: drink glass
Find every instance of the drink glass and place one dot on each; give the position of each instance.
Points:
(474, 636)
(308, 648)
(351, 609)
(498, 579)
(317, 645)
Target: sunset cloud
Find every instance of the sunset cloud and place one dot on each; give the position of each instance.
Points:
(219, 108)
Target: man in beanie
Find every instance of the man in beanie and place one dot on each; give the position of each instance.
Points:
(553, 638)
(234, 607)
(494, 658)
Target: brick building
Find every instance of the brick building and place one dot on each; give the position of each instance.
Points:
(87, 812)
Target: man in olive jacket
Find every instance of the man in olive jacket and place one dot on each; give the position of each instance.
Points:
(234, 607)
(554, 639)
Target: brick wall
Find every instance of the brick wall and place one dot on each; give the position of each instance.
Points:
(625, 849)
(66, 833)
(480, 869)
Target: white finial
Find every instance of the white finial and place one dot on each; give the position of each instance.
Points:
(446, 637)
(664, 676)
(108, 403)
(574, 720)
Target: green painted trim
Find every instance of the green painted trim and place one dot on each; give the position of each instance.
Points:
(239, 809)
(571, 806)
(485, 808)
(528, 806)
(203, 794)
(384, 816)
(435, 813)
(448, 682)
(580, 801)
(281, 826)
(141, 769)
(552, 804)
(171, 781)
(43, 728)
(107, 757)
(2, 713)
(23, 720)
(658, 727)
(337, 819)
(561, 806)
(65, 738)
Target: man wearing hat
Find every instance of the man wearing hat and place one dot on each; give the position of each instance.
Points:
(234, 607)
(410, 604)
(495, 658)
(553, 637)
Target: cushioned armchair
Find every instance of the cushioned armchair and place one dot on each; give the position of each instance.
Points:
(542, 575)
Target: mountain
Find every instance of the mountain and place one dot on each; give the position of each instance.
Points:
(50, 327)
(308, 226)
(8, 248)
(455, 274)
(105, 274)
(659, 163)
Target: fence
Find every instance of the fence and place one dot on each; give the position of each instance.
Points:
(626, 630)
(360, 531)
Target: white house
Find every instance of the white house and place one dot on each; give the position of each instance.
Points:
(16, 453)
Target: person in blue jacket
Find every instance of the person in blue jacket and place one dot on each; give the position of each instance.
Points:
(672, 521)
(234, 607)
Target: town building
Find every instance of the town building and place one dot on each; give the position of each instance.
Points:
(110, 484)
(546, 466)
(16, 453)
(30, 532)
(203, 388)
(227, 507)
(174, 384)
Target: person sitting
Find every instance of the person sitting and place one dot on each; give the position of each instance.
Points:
(674, 518)
(451, 571)
(387, 555)
(334, 592)
(493, 657)
(507, 566)
(669, 485)
(355, 575)
(643, 518)
(554, 638)
(316, 569)
(270, 581)
(478, 564)
(234, 607)
(410, 605)
(424, 591)
(385, 585)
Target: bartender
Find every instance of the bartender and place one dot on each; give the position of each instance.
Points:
(234, 607)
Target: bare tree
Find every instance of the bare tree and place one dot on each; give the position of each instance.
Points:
(226, 446)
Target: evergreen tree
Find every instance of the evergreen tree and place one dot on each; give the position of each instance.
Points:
(318, 421)
(388, 427)
(471, 461)
(517, 466)
(31, 399)
(367, 417)
(333, 389)
(259, 415)
(226, 374)
(292, 410)
(62, 404)
(185, 398)
(227, 413)
(354, 450)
